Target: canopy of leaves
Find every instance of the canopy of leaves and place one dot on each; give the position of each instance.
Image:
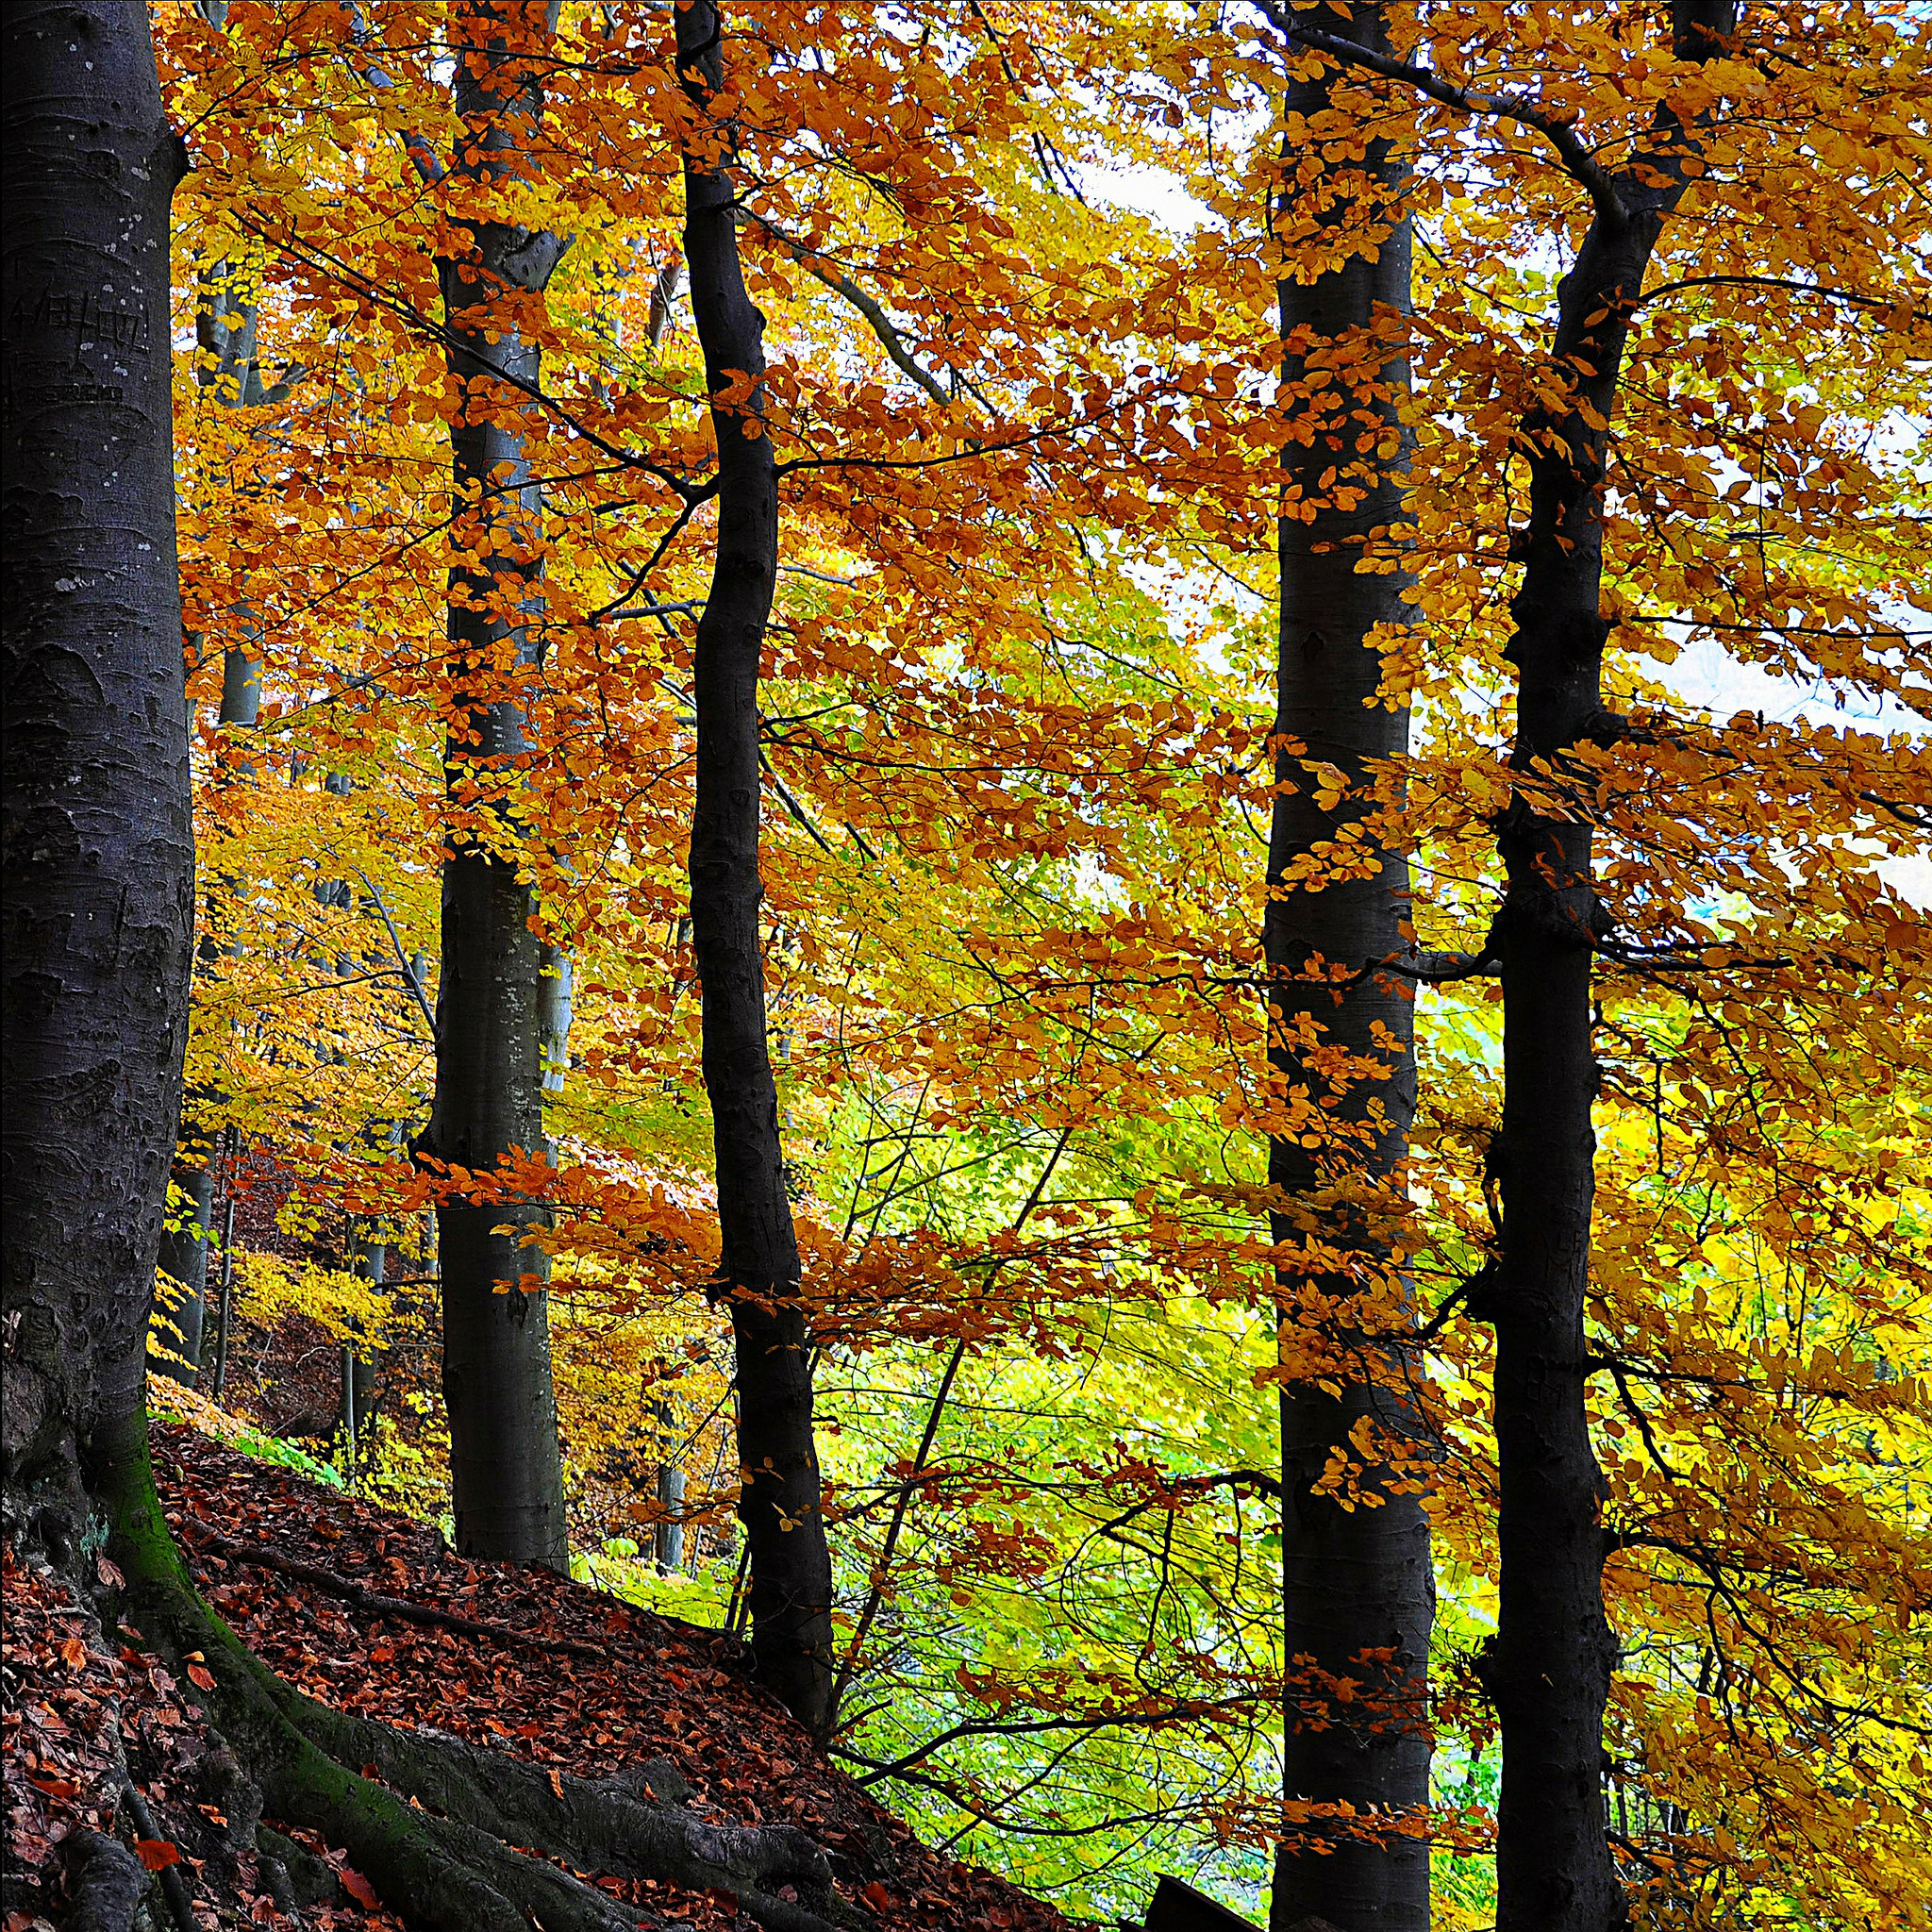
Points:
(1018, 776)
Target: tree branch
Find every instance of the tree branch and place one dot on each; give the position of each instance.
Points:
(1788, 282)
(1577, 161)
(396, 939)
(881, 325)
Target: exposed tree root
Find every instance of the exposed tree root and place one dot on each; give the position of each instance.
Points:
(434, 1829)
(172, 1888)
(376, 1603)
(109, 1883)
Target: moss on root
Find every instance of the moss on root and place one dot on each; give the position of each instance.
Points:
(444, 1861)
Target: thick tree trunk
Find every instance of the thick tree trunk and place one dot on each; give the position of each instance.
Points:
(1358, 1579)
(1548, 1668)
(759, 1268)
(505, 1472)
(99, 861)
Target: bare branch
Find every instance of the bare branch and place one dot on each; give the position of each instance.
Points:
(395, 939)
(881, 325)
(1788, 282)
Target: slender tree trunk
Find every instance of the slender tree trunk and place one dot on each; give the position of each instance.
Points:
(668, 1534)
(229, 371)
(759, 1269)
(98, 843)
(1548, 1668)
(506, 1471)
(1353, 1579)
(184, 1253)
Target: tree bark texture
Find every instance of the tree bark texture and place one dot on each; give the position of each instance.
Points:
(98, 843)
(1354, 1580)
(759, 1269)
(1548, 1668)
(506, 1470)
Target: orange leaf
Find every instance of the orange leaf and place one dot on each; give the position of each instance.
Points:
(54, 1787)
(157, 1853)
(357, 1887)
(877, 1897)
(197, 1675)
(75, 1651)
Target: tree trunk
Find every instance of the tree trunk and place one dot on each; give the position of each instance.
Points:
(1548, 1668)
(234, 380)
(184, 1254)
(505, 1472)
(758, 1267)
(667, 1539)
(1354, 1580)
(99, 857)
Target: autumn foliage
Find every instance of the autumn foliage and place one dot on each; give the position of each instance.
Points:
(1019, 261)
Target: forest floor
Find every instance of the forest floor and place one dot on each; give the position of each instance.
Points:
(565, 1676)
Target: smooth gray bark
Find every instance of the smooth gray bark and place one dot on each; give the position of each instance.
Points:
(96, 827)
(668, 1533)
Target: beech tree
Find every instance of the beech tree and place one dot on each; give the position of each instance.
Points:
(1560, 933)
(98, 851)
(99, 871)
(1549, 1666)
(492, 1013)
(1021, 673)
(759, 1272)
(1359, 1590)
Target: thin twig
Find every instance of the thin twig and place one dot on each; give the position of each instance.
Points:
(395, 939)
(849, 1664)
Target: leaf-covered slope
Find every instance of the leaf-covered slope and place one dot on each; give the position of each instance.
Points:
(633, 1687)
(571, 1680)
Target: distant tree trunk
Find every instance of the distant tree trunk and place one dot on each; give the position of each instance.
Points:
(368, 1258)
(1357, 1580)
(668, 1534)
(228, 369)
(506, 1471)
(1548, 1668)
(98, 843)
(791, 1591)
(184, 1253)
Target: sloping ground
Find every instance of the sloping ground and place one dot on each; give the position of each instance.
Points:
(88, 1724)
(367, 1610)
